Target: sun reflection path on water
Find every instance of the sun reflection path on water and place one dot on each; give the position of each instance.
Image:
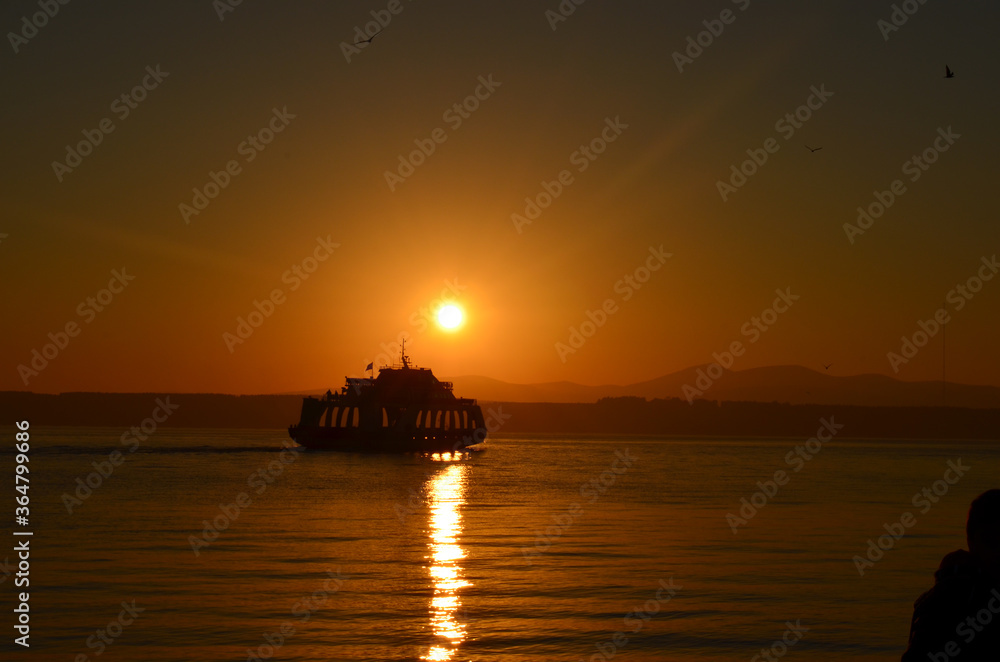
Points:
(445, 494)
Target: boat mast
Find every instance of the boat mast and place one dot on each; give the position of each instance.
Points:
(402, 354)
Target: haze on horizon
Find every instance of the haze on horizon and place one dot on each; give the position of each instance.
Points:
(386, 247)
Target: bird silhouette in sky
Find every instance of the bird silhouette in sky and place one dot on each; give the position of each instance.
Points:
(368, 40)
(813, 149)
(826, 366)
(948, 73)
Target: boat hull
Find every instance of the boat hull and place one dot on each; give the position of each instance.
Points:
(354, 440)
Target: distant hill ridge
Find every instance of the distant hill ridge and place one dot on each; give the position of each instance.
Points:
(791, 384)
(780, 400)
(617, 415)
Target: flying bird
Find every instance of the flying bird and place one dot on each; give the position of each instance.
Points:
(948, 73)
(813, 149)
(369, 39)
(826, 366)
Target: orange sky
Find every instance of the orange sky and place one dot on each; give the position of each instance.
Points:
(593, 114)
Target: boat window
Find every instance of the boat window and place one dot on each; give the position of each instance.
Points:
(465, 419)
(385, 418)
(343, 417)
(356, 418)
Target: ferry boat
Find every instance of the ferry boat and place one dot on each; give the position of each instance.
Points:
(404, 409)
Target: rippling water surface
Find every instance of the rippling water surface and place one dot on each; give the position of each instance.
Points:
(548, 548)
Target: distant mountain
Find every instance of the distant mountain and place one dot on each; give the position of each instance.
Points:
(789, 384)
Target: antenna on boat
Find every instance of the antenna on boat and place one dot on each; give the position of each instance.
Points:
(402, 354)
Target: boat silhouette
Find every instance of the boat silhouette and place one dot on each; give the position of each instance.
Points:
(404, 409)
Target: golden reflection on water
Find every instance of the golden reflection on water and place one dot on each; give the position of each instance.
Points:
(445, 494)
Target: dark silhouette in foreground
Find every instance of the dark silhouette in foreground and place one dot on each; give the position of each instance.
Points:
(948, 73)
(959, 619)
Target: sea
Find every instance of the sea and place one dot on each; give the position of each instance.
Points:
(229, 545)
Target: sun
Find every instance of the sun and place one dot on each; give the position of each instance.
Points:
(450, 317)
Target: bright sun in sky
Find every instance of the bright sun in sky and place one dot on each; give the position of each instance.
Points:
(450, 317)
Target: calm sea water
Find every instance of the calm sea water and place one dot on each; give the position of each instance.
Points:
(512, 553)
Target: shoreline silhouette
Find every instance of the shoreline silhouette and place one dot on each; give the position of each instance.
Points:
(621, 415)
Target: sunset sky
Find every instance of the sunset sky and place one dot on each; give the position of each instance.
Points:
(383, 247)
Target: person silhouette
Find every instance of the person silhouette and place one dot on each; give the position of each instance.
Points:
(958, 620)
